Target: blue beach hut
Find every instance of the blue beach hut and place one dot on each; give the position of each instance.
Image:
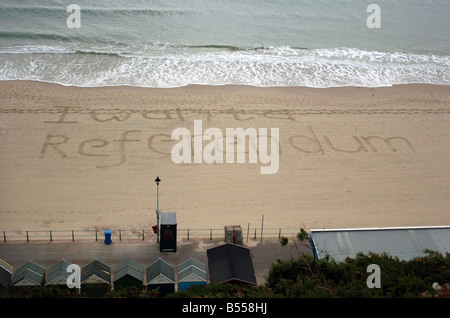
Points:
(191, 272)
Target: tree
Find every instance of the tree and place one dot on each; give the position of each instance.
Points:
(300, 244)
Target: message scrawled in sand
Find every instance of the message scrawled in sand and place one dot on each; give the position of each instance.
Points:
(115, 147)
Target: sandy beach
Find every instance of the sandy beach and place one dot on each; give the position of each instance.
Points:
(85, 158)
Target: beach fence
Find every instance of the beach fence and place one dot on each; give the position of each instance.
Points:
(255, 233)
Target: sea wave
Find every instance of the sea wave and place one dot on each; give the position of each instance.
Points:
(40, 10)
(165, 65)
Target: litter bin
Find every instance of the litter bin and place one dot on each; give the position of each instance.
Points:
(107, 237)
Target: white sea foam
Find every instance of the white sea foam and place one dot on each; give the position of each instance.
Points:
(166, 66)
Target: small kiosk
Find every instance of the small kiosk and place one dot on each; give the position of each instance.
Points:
(168, 232)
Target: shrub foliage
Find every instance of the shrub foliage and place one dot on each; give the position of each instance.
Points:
(309, 277)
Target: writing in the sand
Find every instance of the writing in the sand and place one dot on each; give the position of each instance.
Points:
(107, 116)
(67, 114)
(116, 148)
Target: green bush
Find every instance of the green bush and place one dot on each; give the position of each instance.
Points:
(309, 277)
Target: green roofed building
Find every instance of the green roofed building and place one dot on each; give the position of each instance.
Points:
(191, 275)
(161, 274)
(28, 275)
(6, 271)
(127, 274)
(96, 279)
(57, 274)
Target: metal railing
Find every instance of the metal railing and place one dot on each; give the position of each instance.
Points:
(143, 234)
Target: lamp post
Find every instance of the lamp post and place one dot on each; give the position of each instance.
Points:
(157, 180)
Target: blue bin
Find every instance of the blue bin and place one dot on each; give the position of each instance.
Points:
(107, 237)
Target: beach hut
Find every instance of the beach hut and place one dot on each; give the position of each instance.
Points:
(57, 275)
(6, 271)
(28, 275)
(96, 279)
(230, 263)
(168, 232)
(191, 272)
(128, 274)
(161, 274)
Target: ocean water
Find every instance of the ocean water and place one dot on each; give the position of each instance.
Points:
(315, 43)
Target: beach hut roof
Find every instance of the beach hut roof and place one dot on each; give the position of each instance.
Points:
(192, 273)
(128, 270)
(160, 269)
(98, 269)
(129, 267)
(403, 242)
(129, 263)
(57, 274)
(229, 262)
(28, 274)
(191, 262)
(30, 265)
(6, 271)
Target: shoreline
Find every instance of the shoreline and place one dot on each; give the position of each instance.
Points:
(350, 156)
(401, 87)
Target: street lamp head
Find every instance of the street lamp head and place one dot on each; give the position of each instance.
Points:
(157, 180)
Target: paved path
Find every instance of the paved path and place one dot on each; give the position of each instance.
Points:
(146, 252)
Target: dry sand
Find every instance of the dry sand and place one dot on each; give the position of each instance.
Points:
(350, 157)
